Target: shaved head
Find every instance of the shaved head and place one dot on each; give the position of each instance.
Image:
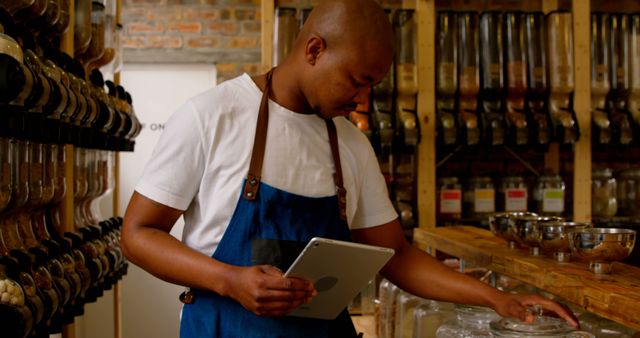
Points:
(348, 22)
(344, 48)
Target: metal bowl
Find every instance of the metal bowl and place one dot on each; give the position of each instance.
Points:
(526, 232)
(554, 238)
(602, 246)
(499, 225)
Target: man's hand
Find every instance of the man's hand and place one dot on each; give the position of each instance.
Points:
(265, 292)
(525, 307)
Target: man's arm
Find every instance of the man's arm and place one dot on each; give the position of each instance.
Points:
(419, 273)
(146, 242)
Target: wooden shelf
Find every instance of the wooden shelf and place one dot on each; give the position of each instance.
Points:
(615, 296)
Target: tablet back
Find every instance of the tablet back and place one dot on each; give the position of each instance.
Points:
(339, 270)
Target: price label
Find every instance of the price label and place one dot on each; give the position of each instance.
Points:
(515, 199)
(552, 200)
(451, 201)
(485, 200)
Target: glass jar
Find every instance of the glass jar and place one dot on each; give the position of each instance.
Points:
(629, 193)
(285, 33)
(405, 305)
(387, 294)
(17, 319)
(604, 328)
(548, 195)
(541, 327)
(470, 321)
(82, 26)
(449, 202)
(429, 316)
(513, 194)
(603, 193)
(480, 197)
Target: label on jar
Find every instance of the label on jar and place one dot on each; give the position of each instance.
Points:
(451, 201)
(484, 200)
(552, 200)
(515, 199)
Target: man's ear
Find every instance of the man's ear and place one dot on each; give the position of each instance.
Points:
(315, 46)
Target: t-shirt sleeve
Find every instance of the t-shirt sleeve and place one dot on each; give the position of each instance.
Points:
(374, 206)
(173, 174)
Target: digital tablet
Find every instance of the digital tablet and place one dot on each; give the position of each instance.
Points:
(339, 271)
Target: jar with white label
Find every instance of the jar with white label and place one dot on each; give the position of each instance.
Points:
(549, 195)
(480, 197)
(449, 201)
(603, 193)
(513, 194)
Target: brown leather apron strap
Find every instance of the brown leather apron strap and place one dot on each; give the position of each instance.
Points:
(259, 142)
(257, 155)
(337, 177)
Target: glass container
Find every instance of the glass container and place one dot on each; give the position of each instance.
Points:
(549, 195)
(109, 49)
(406, 71)
(619, 49)
(513, 194)
(471, 321)
(547, 327)
(12, 6)
(64, 22)
(629, 193)
(604, 328)
(469, 76)
(492, 85)
(6, 160)
(604, 193)
(516, 77)
(449, 202)
(383, 92)
(537, 81)
(96, 47)
(387, 294)
(561, 79)
(285, 33)
(447, 76)
(634, 67)
(600, 84)
(405, 305)
(17, 319)
(429, 316)
(82, 26)
(479, 197)
(33, 12)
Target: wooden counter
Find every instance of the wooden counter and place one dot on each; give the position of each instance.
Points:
(615, 296)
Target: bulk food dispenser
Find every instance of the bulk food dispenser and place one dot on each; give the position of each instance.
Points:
(285, 33)
(492, 88)
(600, 85)
(469, 77)
(537, 81)
(516, 69)
(561, 79)
(634, 70)
(619, 74)
(447, 78)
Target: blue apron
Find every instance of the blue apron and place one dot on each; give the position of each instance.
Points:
(270, 226)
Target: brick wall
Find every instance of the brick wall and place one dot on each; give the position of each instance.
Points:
(221, 32)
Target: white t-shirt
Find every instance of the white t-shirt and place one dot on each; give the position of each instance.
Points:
(203, 156)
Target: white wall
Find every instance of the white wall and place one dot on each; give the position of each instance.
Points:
(150, 307)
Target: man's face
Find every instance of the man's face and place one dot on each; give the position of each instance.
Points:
(343, 79)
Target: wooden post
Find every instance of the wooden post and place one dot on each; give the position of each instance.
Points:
(582, 105)
(268, 13)
(426, 177)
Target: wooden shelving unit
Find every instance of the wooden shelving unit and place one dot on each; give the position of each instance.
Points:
(69, 331)
(615, 296)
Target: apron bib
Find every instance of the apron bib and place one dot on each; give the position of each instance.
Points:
(270, 226)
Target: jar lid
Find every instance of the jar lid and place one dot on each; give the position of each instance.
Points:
(602, 172)
(448, 180)
(541, 327)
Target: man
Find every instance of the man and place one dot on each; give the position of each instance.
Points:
(255, 174)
